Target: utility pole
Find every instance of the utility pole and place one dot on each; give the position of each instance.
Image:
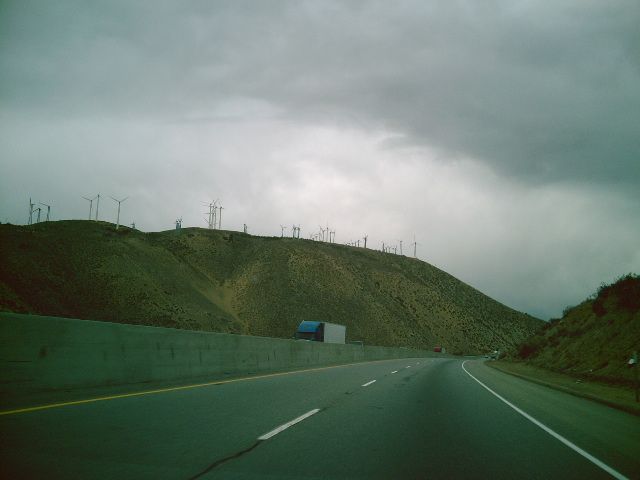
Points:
(179, 224)
(90, 200)
(220, 219)
(282, 229)
(415, 245)
(400, 246)
(38, 210)
(119, 202)
(245, 228)
(133, 225)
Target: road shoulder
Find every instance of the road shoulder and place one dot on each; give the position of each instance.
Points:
(616, 397)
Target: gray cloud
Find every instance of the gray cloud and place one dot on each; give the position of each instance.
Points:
(506, 135)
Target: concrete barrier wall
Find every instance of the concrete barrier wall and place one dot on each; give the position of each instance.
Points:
(41, 353)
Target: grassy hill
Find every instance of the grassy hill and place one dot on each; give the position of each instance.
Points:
(593, 340)
(233, 282)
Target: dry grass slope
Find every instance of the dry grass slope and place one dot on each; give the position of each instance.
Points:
(593, 340)
(232, 282)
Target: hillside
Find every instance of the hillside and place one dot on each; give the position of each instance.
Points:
(233, 282)
(594, 339)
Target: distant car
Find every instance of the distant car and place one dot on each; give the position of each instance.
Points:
(437, 349)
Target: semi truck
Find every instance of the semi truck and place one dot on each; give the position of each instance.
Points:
(321, 332)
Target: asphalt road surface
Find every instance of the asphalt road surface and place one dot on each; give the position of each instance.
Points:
(411, 418)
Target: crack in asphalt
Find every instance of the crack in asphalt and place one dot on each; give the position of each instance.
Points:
(217, 463)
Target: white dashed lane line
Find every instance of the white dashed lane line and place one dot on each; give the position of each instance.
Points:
(395, 371)
(369, 383)
(284, 426)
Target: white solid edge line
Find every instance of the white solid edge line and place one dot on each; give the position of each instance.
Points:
(369, 383)
(557, 436)
(284, 426)
(395, 371)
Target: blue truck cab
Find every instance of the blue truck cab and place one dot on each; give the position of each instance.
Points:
(320, 332)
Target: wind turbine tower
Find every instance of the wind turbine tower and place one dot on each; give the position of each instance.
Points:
(90, 200)
(31, 205)
(48, 209)
(119, 203)
(97, 206)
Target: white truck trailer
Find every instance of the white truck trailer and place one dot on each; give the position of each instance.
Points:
(321, 332)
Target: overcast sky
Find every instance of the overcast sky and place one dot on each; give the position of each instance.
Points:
(504, 135)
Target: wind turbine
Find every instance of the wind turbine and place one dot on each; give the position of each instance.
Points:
(282, 229)
(90, 200)
(97, 206)
(48, 209)
(220, 218)
(415, 245)
(365, 240)
(400, 246)
(119, 202)
(31, 205)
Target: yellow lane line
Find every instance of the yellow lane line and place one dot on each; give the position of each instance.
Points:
(173, 389)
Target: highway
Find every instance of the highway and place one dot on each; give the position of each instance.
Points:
(411, 418)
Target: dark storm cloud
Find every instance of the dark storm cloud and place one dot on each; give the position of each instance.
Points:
(540, 92)
(504, 134)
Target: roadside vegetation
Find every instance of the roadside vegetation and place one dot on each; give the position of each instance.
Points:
(232, 282)
(593, 340)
